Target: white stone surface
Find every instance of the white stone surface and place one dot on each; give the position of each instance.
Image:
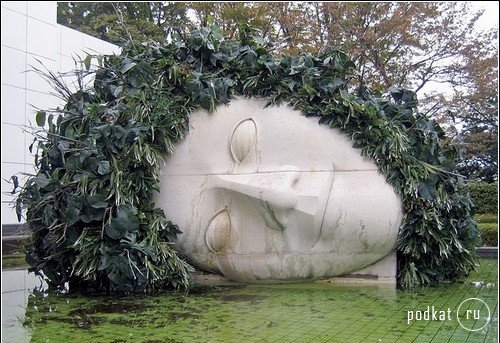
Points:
(35, 81)
(8, 213)
(13, 109)
(266, 194)
(71, 42)
(13, 153)
(36, 101)
(41, 38)
(13, 29)
(383, 269)
(9, 169)
(19, 6)
(43, 10)
(13, 71)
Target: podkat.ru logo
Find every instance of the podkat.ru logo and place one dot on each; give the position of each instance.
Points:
(472, 314)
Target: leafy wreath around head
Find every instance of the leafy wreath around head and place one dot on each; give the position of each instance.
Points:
(90, 210)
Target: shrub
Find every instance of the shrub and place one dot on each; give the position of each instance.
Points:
(489, 234)
(484, 196)
(89, 207)
(486, 218)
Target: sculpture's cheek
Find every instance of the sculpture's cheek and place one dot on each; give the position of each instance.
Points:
(363, 216)
(337, 223)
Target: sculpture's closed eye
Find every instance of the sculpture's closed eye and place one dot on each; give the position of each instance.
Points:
(243, 139)
(219, 231)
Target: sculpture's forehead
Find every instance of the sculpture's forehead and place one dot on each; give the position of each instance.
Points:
(276, 136)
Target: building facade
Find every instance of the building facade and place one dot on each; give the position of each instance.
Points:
(31, 38)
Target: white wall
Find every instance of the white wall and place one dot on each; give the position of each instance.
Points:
(29, 33)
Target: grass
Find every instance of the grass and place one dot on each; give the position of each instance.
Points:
(13, 261)
(312, 312)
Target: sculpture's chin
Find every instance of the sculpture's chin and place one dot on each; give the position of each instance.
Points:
(284, 267)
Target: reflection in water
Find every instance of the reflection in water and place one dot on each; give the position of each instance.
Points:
(17, 285)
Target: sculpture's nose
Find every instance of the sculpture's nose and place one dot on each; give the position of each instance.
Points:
(275, 189)
(287, 200)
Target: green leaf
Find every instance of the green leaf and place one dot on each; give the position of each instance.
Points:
(113, 231)
(210, 20)
(345, 95)
(40, 118)
(118, 90)
(30, 148)
(104, 262)
(72, 215)
(15, 181)
(427, 187)
(18, 209)
(92, 216)
(127, 66)
(72, 162)
(103, 167)
(42, 180)
(97, 201)
(125, 221)
(64, 146)
(87, 61)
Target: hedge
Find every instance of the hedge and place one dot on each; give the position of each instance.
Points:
(489, 234)
(484, 196)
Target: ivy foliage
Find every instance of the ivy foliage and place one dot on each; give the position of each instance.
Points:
(90, 208)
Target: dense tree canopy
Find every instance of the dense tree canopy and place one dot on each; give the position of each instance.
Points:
(475, 107)
(121, 21)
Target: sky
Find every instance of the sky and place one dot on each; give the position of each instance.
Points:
(489, 19)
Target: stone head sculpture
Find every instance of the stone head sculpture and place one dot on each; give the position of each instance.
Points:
(266, 195)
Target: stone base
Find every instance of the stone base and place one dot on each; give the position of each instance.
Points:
(381, 272)
(487, 252)
(208, 279)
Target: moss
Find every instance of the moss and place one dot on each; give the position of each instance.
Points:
(265, 313)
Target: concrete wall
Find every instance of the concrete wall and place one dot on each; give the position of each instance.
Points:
(30, 33)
